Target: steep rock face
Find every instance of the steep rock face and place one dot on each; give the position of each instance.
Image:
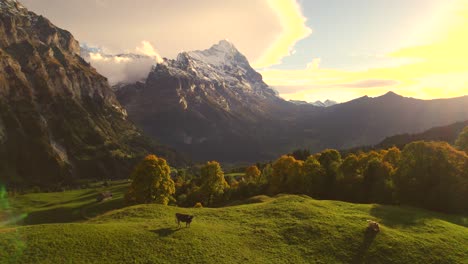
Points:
(213, 105)
(59, 119)
(204, 100)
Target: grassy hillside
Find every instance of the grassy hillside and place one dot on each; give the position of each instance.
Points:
(284, 229)
(62, 207)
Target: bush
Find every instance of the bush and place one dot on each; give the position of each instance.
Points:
(198, 205)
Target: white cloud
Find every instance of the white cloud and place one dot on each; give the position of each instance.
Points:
(122, 70)
(97, 57)
(265, 31)
(147, 49)
(293, 27)
(125, 68)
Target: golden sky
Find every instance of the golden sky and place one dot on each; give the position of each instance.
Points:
(307, 50)
(437, 68)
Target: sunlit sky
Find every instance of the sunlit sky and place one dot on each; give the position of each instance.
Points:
(308, 50)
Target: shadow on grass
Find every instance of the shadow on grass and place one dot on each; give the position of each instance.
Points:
(98, 208)
(89, 195)
(163, 232)
(82, 198)
(53, 215)
(369, 237)
(72, 214)
(396, 216)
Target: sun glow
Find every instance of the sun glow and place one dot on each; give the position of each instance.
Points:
(438, 69)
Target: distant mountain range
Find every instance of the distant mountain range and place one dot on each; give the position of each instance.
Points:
(213, 105)
(448, 134)
(318, 103)
(59, 119)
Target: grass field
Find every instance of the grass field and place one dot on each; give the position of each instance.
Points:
(283, 229)
(63, 207)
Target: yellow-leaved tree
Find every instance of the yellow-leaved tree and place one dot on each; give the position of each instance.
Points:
(213, 182)
(287, 175)
(151, 182)
(252, 174)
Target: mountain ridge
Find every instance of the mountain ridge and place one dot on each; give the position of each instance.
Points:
(60, 121)
(214, 105)
(195, 104)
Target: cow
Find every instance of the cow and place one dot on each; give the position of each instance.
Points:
(187, 219)
(373, 226)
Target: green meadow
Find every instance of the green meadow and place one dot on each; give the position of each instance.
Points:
(72, 227)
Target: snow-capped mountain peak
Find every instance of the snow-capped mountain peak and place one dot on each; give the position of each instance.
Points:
(224, 46)
(222, 64)
(222, 54)
(318, 103)
(326, 103)
(329, 103)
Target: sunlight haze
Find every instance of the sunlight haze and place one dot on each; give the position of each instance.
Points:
(306, 50)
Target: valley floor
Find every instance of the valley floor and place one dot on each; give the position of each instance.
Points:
(281, 229)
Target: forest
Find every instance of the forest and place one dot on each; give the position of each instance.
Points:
(430, 175)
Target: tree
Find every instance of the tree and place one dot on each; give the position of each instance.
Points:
(462, 140)
(151, 182)
(393, 156)
(287, 175)
(267, 172)
(350, 168)
(351, 183)
(252, 174)
(314, 175)
(213, 182)
(330, 159)
(377, 181)
(365, 158)
(433, 175)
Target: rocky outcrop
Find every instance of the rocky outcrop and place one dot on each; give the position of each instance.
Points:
(59, 119)
(209, 103)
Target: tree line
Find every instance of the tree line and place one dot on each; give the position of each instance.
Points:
(431, 175)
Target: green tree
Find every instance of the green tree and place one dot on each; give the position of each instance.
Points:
(433, 175)
(267, 172)
(351, 183)
(462, 140)
(151, 182)
(330, 160)
(213, 182)
(314, 177)
(377, 182)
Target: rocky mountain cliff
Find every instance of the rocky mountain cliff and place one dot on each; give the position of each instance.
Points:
(59, 119)
(213, 105)
(209, 103)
